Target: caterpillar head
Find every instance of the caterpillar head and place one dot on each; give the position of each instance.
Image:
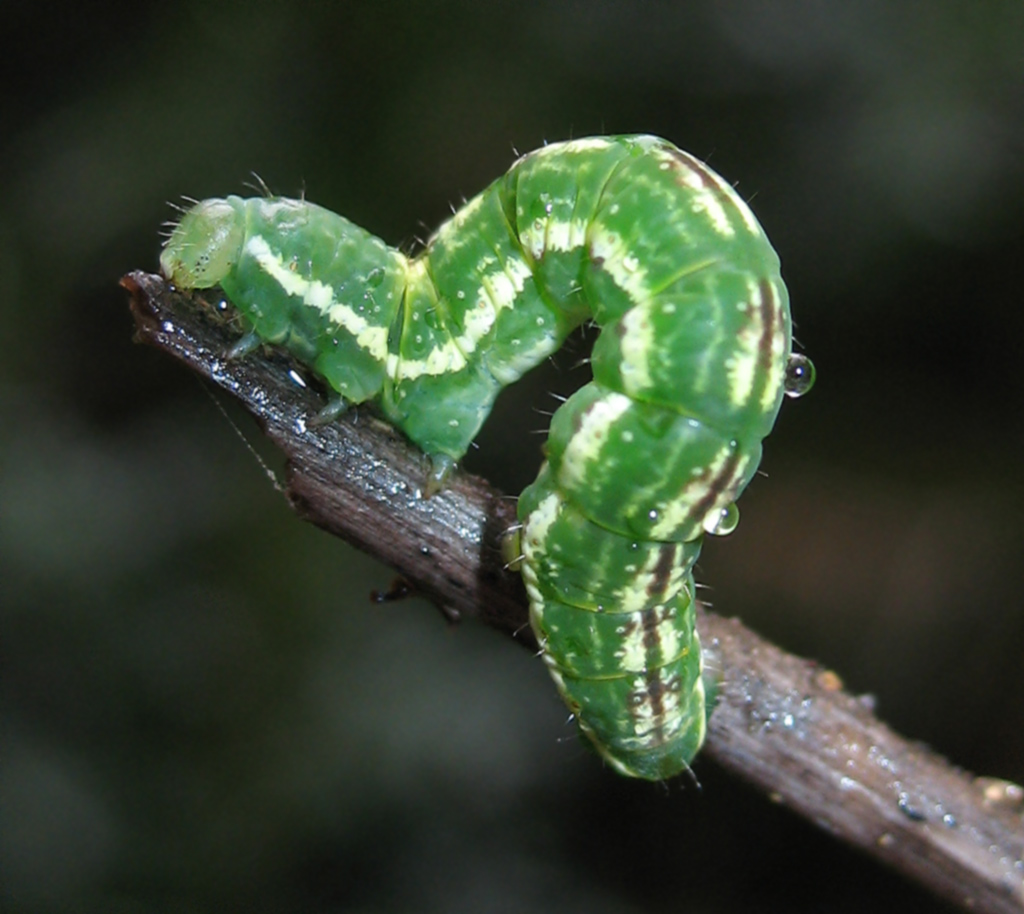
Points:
(205, 245)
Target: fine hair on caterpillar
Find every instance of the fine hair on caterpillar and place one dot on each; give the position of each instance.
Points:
(690, 367)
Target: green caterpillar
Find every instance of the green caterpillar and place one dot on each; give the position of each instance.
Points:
(689, 373)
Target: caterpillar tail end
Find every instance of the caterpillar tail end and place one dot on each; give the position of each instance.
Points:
(653, 764)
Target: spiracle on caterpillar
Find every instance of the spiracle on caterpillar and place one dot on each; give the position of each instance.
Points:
(689, 371)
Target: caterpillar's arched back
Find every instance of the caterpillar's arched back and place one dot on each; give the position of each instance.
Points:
(689, 372)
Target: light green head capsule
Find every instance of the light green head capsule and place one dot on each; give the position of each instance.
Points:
(205, 245)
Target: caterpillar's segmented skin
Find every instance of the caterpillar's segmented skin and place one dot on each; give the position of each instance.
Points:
(689, 372)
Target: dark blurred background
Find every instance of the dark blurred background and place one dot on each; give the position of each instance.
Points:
(202, 711)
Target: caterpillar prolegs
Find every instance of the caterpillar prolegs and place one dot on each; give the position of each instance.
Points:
(688, 375)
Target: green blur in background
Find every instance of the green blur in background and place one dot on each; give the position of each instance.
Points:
(202, 711)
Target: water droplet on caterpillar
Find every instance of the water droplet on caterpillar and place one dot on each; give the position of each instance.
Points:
(722, 521)
(800, 375)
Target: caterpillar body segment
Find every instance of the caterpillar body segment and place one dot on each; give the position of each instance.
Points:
(689, 373)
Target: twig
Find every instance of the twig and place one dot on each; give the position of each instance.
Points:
(782, 723)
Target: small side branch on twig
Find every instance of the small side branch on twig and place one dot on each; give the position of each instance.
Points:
(782, 723)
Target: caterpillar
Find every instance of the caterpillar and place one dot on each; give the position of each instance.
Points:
(689, 371)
